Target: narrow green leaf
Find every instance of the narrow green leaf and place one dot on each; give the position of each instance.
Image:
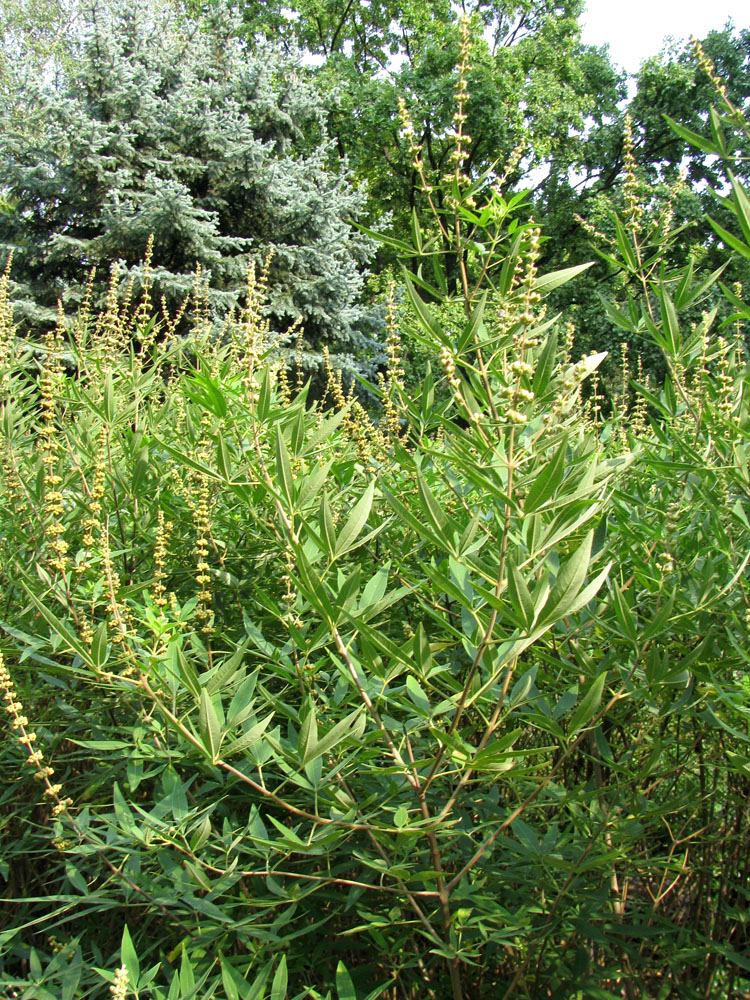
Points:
(99, 645)
(718, 132)
(228, 982)
(422, 652)
(123, 812)
(405, 249)
(343, 729)
(278, 987)
(431, 508)
(327, 530)
(473, 333)
(520, 597)
(140, 470)
(344, 985)
(522, 687)
(545, 364)
(741, 205)
(185, 459)
(264, 395)
(692, 137)
(589, 592)
(684, 284)
(297, 436)
(201, 835)
(660, 620)
(670, 323)
(427, 397)
(223, 458)
(71, 642)
(589, 706)
(237, 988)
(731, 241)
(417, 695)
(546, 282)
(547, 480)
(71, 977)
(356, 521)
(187, 976)
(326, 430)
(624, 245)
(422, 530)
(241, 704)
(198, 875)
(311, 485)
(623, 614)
(129, 959)
(248, 739)
(569, 582)
(210, 727)
(618, 317)
(308, 734)
(76, 879)
(182, 669)
(375, 587)
(424, 314)
(284, 468)
(109, 398)
(416, 230)
(691, 293)
(227, 670)
(497, 756)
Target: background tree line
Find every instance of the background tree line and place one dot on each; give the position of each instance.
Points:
(227, 149)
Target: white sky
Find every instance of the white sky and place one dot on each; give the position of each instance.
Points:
(636, 29)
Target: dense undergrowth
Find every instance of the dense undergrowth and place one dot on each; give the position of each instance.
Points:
(446, 700)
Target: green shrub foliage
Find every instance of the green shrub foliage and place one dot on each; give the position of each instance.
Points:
(451, 703)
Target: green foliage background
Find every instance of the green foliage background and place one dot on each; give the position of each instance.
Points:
(444, 699)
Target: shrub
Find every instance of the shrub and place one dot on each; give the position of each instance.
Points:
(454, 705)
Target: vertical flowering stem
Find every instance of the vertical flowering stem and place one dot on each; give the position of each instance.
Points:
(49, 447)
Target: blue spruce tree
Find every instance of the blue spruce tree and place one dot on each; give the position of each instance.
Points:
(160, 125)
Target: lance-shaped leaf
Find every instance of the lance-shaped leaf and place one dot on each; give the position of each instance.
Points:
(731, 241)
(351, 725)
(308, 733)
(356, 521)
(283, 467)
(431, 508)
(741, 206)
(545, 365)
(248, 739)
(424, 314)
(569, 583)
(589, 706)
(129, 958)
(69, 640)
(311, 485)
(546, 282)
(422, 530)
(227, 670)
(670, 323)
(546, 480)
(325, 522)
(209, 725)
(520, 598)
(692, 137)
(278, 987)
